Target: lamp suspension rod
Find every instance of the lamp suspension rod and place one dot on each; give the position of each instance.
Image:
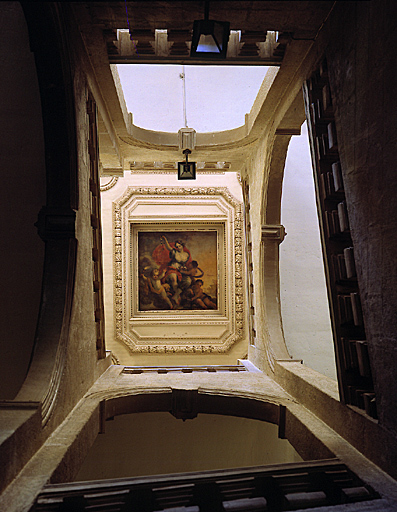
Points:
(187, 152)
(183, 78)
(206, 9)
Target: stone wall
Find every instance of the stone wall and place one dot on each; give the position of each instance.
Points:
(64, 362)
(172, 337)
(363, 81)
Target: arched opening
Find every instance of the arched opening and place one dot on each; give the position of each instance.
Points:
(231, 431)
(303, 292)
(55, 214)
(153, 443)
(23, 186)
(313, 478)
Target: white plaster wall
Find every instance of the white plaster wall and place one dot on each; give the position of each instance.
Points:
(304, 303)
(228, 180)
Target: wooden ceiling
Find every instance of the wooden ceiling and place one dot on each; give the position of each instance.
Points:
(301, 18)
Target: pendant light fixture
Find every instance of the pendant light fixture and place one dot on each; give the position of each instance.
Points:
(210, 37)
(187, 141)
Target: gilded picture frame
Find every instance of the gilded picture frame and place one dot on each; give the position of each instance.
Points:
(177, 270)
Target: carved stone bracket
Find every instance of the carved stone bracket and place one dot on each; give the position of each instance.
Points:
(172, 45)
(144, 41)
(274, 232)
(250, 41)
(184, 403)
(56, 223)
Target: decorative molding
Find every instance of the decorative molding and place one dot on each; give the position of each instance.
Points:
(144, 171)
(112, 171)
(228, 320)
(274, 232)
(245, 142)
(132, 141)
(137, 370)
(171, 167)
(115, 359)
(159, 45)
(110, 184)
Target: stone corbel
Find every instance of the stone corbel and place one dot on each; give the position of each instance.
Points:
(56, 223)
(275, 232)
(144, 41)
(184, 403)
(178, 40)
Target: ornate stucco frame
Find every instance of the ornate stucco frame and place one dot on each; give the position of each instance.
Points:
(179, 208)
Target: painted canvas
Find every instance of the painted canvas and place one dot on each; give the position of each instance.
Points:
(177, 270)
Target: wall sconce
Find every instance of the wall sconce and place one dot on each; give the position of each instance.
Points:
(210, 37)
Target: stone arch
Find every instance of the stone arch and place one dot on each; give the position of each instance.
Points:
(273, 232)
(56, 220)
(272, 235)
(23, 193)
(183, 403)
(187, 403)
